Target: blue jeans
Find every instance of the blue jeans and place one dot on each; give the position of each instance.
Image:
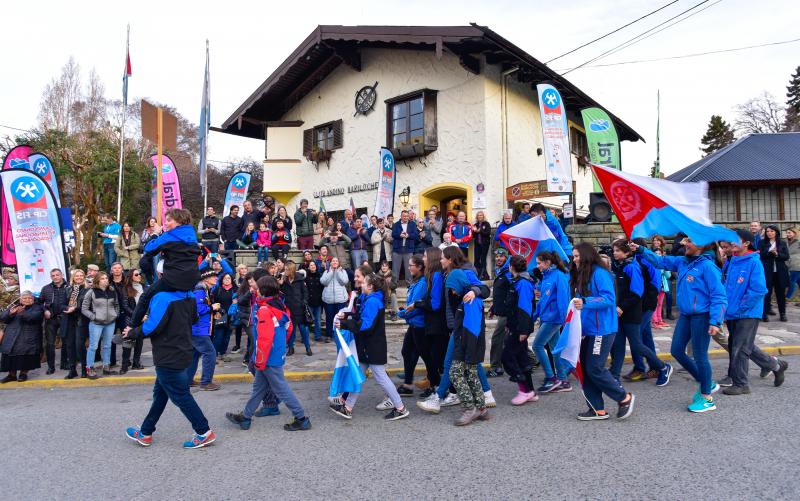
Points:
(221, 338)
(203, 347)
(647, 339)
(271, 379)
(633, 334)
(316, 312)
(794, 282)
(211, 245)
(96, 333)
(262, 254)
(549, 334)
(358, 256)
(444, 384)
(303, 328)
(693, 328)
(109, 256)
(596, 377)
(173, 384)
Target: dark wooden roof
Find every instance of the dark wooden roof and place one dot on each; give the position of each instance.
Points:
(329, 46)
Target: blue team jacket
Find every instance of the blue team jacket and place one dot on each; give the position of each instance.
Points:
(745, 287)
(554, 299)
(416, 292)
(599, 313)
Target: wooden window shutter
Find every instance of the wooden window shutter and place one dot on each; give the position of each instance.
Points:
(338, 134)
(431, 142)
(308, 142)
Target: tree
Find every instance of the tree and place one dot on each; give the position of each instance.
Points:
(791, 122)
(718, 135)
(761, 115)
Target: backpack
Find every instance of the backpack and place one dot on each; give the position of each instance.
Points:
(233, 314)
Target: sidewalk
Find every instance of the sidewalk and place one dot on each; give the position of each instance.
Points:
(774, 336)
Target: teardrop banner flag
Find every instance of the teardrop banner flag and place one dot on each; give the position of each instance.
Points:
(558, 163)
(387, 179)
(35, 227)
(601, 135)
(170, 187)
(40, 164)
(17, 158)
(236, 194)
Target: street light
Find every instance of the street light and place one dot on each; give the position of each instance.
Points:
(405, 196)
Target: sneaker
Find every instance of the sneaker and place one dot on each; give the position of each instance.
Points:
(764, 373)
(524, 397)
(634, 376)
(562, 387)
(450, 400)
(736, 390)
(136, 435)
(210, 387)
(725, 382)
(591, 415)
(298, 425)
(702, 404)
(664, 375)
(108, 372)
(8, 379)
(342, 411)
(427, 393)
(715, 387)
(385, 404)
(467, 417)
(91, 373)
(22, 377)
(267, 411)
(239, 420)
(625, 410)
(422, 384)
(780, 373)
(199, 441)
(236, 349)
(395, 414)
(548, 385)
(432, 404)
(137, 367)
(489, 398)
(404, 391)
(336, 400)
(483, 414)
(495, 372)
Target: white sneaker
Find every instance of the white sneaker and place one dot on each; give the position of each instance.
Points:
(489, 398)
(336, 400)
(450, 400)
(385, 405)
(431, 404)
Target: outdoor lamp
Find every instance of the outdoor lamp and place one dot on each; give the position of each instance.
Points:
(405, 195)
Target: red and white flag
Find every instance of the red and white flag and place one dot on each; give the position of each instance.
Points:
(569, 344)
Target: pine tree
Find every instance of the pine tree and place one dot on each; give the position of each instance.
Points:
(792, 121)
(718, 135)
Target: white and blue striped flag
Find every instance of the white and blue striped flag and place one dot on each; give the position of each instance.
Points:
(203, 126)
(347, 374)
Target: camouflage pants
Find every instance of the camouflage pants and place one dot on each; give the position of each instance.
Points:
(464, 378)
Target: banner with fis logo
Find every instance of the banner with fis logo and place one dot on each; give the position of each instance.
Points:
(170, 187)
(387, 178)
(236, 194)
(558, 164)
(17, 158)
(35, 227)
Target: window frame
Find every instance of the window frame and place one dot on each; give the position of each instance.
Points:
(429, 141)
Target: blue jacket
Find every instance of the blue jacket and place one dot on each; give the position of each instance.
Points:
(112, 229)
(358, 239)
(558, 232)
(179, 251)
(461, 231)
(520, 316)
(271, 332)
(523, 217)
(226, 268)
(599, 313)
(202, 297)
(745, 286)
(410, 242)
(554, 297)
(699, 286)
(416, 292)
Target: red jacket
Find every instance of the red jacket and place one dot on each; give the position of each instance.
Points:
(272, 333)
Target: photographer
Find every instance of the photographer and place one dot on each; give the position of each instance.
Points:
(109, 235)
(209, 227)
(304, 220)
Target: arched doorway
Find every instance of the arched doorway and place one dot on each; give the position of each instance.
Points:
(448, 197)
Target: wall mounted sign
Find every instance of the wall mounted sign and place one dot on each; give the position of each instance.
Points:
(532, 189)
(341, 190)
(365, 99)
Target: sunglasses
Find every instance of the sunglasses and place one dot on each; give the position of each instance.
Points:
(137, 274)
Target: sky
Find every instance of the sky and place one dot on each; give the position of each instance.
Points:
(249, 40)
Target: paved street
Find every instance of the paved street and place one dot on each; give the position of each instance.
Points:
(69, 444)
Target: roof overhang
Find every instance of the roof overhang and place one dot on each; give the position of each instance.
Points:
(327, 47)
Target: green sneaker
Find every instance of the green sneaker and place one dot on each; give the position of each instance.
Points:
(702, 405)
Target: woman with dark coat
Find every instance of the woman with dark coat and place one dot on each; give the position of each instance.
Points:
(295, 297)
(74, 326)
(774, 255)
(482, 236)
(22, 342)
(314, 287)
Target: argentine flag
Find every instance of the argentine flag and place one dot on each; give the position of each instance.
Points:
(347, 375)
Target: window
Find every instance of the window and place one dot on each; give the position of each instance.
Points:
(324, 137)
(411, 124)
(578, 144)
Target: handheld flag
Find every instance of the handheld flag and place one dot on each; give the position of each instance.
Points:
(569, 344)
(529, 238)
(321, 205)
(347, 374)
(647, 207)
(352, 207)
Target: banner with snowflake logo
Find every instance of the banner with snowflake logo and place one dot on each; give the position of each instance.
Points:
(236, 194)
(558, 163)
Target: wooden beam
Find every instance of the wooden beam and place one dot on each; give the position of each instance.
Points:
(284, 123)
(781, 204)
(311, 81)
(497, 57)
(738, 204)
(471, 64)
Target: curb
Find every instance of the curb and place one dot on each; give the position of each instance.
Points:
(296, 376)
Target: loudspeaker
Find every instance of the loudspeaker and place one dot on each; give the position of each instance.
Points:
(599, 208)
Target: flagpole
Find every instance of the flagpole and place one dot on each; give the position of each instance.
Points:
(658, 135)
(122, 126)
(204, 158)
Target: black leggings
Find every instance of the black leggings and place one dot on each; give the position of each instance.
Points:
(411, 353)
(774, 283)
(516, 361)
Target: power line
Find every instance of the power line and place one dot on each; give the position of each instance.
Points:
(612, 32)
(636, 37)
(697, 54)
(15, 128)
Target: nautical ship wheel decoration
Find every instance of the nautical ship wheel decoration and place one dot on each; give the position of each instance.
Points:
(365, 99)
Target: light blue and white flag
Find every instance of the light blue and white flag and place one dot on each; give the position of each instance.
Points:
(347, 374)
(203, 126)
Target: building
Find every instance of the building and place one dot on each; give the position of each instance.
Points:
(754, 178)
(457, 104)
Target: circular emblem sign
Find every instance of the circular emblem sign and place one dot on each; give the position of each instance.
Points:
(365, 99)
(27, 189)
(626, 200)
(519, 246)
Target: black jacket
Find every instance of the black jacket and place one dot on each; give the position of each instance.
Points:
(223, 297)
(370, 343)
(256, 217)
(483, 236)
(650, 298)
(231, 229)
(775, 269)
(287, 223)
(314, 289)
(54, 299)
(169, 327)
(466, 347)
(23, 334)
(500, 290)
(295, 297)
(629, 301)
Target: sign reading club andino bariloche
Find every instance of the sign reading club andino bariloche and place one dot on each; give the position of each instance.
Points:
(355, 188)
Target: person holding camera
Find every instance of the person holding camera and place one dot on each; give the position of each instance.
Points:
(209, 228)
(201, 332)
(109, 235)
(304, 220)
